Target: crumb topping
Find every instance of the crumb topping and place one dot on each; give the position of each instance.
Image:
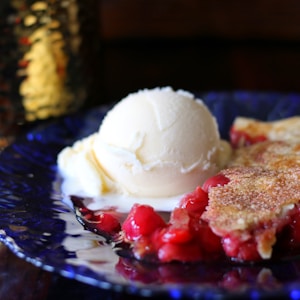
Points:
(263, 188)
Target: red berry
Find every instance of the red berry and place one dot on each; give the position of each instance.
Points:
(243, 251)
(195, 202)
(248, 252)
(258, 139)
(237, 138)
(179, 228)
(231, 246)
(210, 242)
(107, 223)
(217, 180)
(142, 220)
(101, 222)
(240, 138)
(176, 235)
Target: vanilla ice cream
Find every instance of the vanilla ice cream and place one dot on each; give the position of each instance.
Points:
(154, 144)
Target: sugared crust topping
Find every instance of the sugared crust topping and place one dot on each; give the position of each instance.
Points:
(269, 155)
(263, 187)
(253, 196)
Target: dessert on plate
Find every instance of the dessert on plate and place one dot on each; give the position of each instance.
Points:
(158, 177)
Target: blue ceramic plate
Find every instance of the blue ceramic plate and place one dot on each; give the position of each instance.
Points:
(37, 226)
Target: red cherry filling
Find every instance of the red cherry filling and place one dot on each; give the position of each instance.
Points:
(195, 202)
(186, 237)
(141, 221)
(101, 222)
(294, 231)
(240, 250)
(287, 231)
(289, 237)
(240, 138)
(217, 180)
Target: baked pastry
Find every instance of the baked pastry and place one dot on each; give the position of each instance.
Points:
(260, 199)
(246, 131)
(249, 211)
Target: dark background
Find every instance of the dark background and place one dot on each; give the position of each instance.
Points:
(196, 45)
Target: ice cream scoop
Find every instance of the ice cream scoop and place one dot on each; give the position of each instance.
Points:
(155, 143)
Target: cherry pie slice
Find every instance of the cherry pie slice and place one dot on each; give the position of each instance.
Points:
(259, 202)
(249, 211)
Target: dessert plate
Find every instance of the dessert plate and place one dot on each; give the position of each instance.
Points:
(39, 227)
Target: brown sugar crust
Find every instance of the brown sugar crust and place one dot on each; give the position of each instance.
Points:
(253, 196)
